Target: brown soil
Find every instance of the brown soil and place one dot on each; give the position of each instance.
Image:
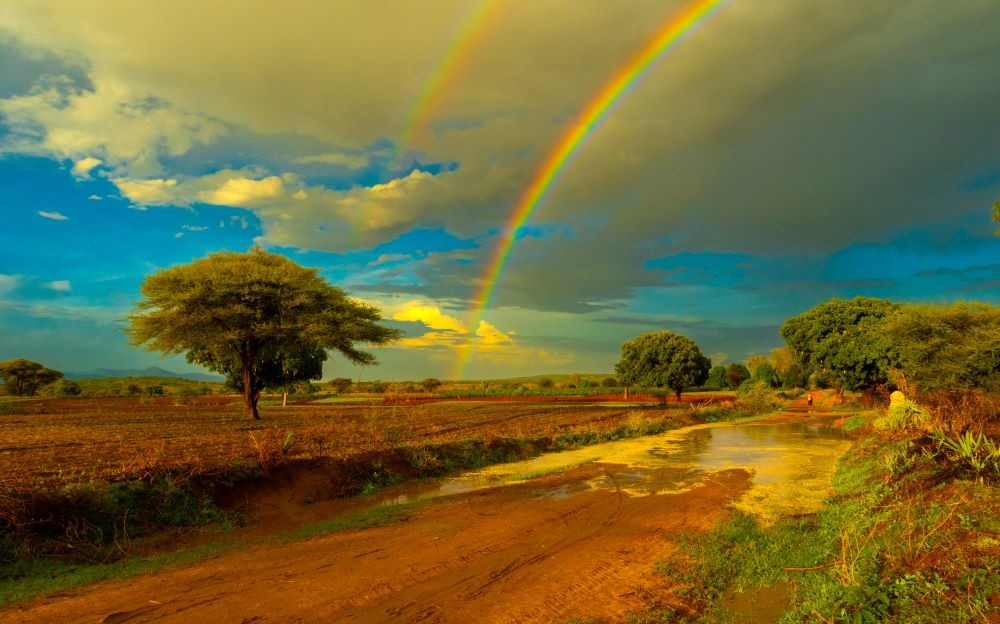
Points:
(513, 554)
(53, 442)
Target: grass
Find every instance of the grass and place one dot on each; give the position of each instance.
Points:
(38, 577)
(381, 515)
(899, 541)
(47, 576)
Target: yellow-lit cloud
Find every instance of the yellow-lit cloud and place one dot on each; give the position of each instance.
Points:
(114, 124)
(144, 192)
(244, 191)
(350, 161)
(430, 315)
(490, 337)
(84, 166)
(448, 340)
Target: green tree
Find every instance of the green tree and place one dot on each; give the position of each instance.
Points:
(736, 374)
(716, 378)
(430, 384)
(797, 376)
(782, 359)
(847, 339)
(24, 377)
(662, 359)
(765, 373)
(256, 316)
(996, 214)
(948, 347)
(753, 361)
(609, 382)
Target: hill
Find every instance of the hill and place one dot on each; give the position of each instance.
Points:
(152, 371)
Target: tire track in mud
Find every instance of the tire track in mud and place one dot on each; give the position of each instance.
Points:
(531, 558)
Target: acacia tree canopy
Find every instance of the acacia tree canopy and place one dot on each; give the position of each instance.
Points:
(256, 316)
(948, 346)
(662, 359)
(845, 338)
(24, 377)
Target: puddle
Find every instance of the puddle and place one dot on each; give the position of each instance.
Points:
(791, 465)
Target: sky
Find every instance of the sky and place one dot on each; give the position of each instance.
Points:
(771, 155)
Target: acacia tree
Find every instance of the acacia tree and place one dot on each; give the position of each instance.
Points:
(847, 339)
(257, 317)
(662, 359)
(952, 346)
(24, 377)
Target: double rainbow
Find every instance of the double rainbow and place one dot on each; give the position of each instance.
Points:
(665, 39)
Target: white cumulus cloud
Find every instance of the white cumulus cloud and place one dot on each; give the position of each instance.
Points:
(55, 216)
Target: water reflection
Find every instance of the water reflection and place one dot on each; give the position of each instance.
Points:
(791, 465)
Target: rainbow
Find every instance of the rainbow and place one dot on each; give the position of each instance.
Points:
(461, 51)
(665, 39)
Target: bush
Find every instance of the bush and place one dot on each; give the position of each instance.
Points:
(609, 382)
(756, 395)
(339, 385)
(63, 388)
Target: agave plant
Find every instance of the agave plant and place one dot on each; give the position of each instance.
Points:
(977, 454)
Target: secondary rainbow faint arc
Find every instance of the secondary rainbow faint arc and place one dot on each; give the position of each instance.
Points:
(665, 39)
(455, 59)
(449, 66)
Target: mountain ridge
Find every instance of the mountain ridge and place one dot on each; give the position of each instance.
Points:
(151, 371)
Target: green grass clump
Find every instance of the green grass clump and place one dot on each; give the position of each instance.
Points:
(855, 422)
(34, 577)
(380, 515)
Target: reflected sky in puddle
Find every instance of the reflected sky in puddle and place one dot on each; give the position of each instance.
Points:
(791, 465)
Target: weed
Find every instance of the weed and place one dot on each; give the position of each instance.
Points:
(855, 422)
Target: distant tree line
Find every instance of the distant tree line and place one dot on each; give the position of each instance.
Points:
(860, 345)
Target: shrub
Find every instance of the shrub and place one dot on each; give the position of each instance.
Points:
(63, 387)
(756, 395)
(903, 415)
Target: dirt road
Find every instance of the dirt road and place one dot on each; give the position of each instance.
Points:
(550, 550)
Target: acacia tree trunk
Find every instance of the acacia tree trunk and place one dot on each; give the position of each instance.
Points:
(677, 394)
(250, 392)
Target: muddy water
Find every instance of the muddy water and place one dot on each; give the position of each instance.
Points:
(791, 466)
